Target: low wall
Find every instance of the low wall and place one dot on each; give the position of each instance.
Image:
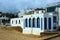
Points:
(34, 31)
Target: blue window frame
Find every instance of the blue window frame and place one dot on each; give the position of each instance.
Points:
(29, 22)
(12, 21)
(45, 23)
(38, 22)
(41, 24)
(50, 9)
(54, 19)
(16, 21)
(25, 22)
(54, 27)
(33, 22)
(49, 23)
(19, 21)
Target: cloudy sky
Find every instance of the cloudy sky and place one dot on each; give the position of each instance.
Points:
(15, 5)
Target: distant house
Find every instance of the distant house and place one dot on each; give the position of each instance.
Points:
(5, 18)
(24, 12)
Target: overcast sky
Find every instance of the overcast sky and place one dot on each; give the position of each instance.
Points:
(15, 5)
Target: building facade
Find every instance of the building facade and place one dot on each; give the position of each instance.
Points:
(40, 20)
(54, 7)
(37, 23)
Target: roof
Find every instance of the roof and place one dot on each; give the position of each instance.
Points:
(56, 4)
(39, 9)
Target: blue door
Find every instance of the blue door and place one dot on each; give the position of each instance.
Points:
(49, 23)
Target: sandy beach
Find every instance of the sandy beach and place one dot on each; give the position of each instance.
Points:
(11, 33)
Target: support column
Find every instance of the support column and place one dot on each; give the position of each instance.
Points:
(31, 22)
(43, 24)
(40, 24)
(36, 22)
(52, 23)
(47, 24)
(27, 22)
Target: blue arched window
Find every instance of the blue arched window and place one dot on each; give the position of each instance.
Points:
(29, 22)
(38, 22)
(12, 21)
(45, 23)
(16, 21)
(33, 22)
(54, 22)
(26, 23)
(49, 22)
(51, 9)
(54, 19)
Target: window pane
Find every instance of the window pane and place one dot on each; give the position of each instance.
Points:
(29, 22)
(16, 21)
(49, 23)
(54, 27)
(45, 23)
(25, 22)
(54, 22)
(33, 22)
(38, 22)
(19, 21)
(54, 19)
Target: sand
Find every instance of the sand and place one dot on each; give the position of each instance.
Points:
(13, 33)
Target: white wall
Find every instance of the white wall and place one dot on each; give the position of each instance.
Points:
(39, 12)
(50, 15)
(59, 15)
(35, 31)
(14, 22)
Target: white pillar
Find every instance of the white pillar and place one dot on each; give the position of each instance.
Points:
(47, 24)
(43, 23)
(31, 22)
(36, 22)
(27, 22)
(51, 23)
(40, 25)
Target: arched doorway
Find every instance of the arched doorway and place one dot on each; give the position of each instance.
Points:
(38, 22)
(29, 22)
(26, 24)
(33, 22)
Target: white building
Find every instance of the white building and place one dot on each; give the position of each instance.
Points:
(54, 7)
(37, 23)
